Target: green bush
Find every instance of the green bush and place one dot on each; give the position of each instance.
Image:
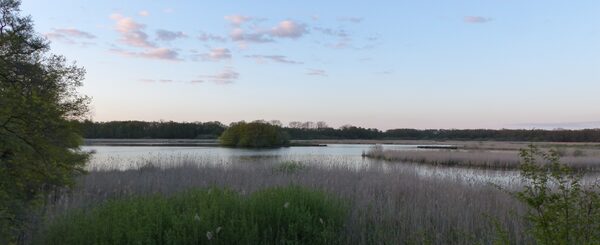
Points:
(562, 210)
(254, 135)
(284, 215)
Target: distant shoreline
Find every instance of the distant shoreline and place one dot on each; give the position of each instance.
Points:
(172, 142)
(465, 145)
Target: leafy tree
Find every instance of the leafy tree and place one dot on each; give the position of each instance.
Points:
(38, 103)
(562, 210)
(254, 135)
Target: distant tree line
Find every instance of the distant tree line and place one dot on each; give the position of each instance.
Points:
(151, 130)
(320, 130)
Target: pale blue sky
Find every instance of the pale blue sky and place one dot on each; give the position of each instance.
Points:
(384, 64)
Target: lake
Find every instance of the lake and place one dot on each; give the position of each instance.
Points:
(332, 156)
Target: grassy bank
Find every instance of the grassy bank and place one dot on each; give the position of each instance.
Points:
(383, 207)
(290, 215)
(588, 160)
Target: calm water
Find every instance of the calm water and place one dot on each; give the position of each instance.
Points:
(332, 156)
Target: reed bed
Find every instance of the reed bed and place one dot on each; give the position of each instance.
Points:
(494, 159)
(385, 207)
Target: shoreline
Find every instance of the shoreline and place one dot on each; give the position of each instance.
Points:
(175, 143)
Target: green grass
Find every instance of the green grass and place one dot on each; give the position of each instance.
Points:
(289, 167)
(281, 215)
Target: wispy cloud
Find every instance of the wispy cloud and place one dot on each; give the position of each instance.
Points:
(476, 19)
(70, 32)
(240, 35)
(238, 20)
(132, 33)
(206, 37)
(216, 54)
(341, 43)
(284, 29)
(272, 58)
(153, 53)
(226, 76)
(146, 80)
(166, 35)
(69, 35)
(316, 72)
(351, 19)
(332, 32)
(144, 13)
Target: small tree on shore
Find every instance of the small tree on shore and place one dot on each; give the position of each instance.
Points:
(561, 209)
(38, 103)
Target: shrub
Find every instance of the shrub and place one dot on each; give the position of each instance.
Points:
(254, 135)
(561, 209)
(283, 215)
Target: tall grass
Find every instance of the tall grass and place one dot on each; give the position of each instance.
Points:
(291, 215)
(476, 158)
(384, 207)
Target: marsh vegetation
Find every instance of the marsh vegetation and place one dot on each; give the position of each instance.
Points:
(389, 207)
(501, 157)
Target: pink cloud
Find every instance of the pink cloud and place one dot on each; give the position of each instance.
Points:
(132, 33)
(154, 53)
(69, 32)
(144, 13)
(476, 19)
(226, 76)
(273, 58)
(70, 36)
(239, 35)
(288, 29)
(166, 35)
(238, 20)
(217, 54)
(205, 37)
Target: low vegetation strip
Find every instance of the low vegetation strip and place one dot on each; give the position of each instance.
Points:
(476, 158)
(391, 206)
(283, 215)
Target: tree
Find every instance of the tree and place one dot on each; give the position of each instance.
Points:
(254, 135)
(561, 209)
(38, 105)
(322, 125)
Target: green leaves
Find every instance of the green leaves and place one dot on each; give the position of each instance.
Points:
(561, 209)
(38, 142)
(254, 135)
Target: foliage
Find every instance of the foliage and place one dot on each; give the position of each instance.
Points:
(283, 215)
(254, 135)
(153, 130)
(319, 130)
(561, 209)
(38, 140)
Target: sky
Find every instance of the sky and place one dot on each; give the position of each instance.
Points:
(382, 64)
